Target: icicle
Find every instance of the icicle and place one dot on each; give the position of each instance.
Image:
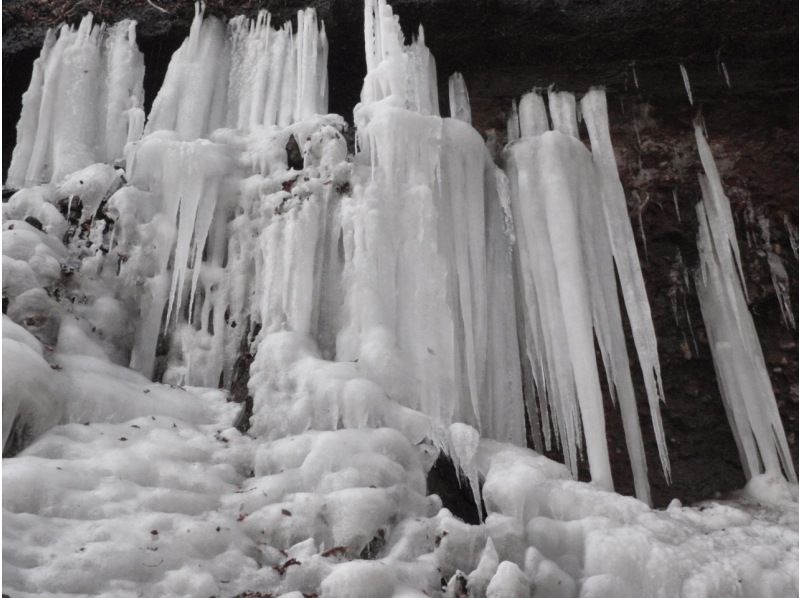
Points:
(459, 99)
(675, 203)
(741, 372)
(532, 115)
(720, 216)
(791, 232)
(778, 275)
(513, 128)
(635, 78)
(627, 262)
(563, 112)
(725, 72)
(640, 205)
(686, 84)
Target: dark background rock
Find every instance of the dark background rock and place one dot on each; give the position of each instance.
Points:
(506, 47)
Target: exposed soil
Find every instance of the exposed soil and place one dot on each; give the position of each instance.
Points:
(506, 47)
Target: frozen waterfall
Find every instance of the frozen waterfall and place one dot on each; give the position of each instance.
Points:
(372, 307)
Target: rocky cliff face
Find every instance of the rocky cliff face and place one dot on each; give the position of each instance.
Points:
(740, 58)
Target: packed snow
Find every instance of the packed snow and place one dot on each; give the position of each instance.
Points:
(387, 306)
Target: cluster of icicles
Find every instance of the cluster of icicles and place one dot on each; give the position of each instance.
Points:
(418, 270)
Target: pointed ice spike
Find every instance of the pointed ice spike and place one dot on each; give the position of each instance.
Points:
(718, 206)
(686, 84)
(725, 73)
(675, 203)
(791, 232)
(635, 77)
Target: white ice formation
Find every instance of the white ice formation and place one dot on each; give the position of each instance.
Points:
(739, 362)
(84, 97)
(269, 76)
(381, 297)
(572, 232)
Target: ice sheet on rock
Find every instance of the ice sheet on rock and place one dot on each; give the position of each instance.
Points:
(91, 185)
(37, 202)
(294, 390)
(31, 393)
(76, 383)
(595, 534)
(742, 374)
(137, 502)
(75, 111)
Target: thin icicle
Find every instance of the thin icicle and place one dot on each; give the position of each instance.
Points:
(791, 232)
(635, 78)
(686, 84)
(675, 203)
(778, 275)
(459, 99)
(512, 126)
(725, 73)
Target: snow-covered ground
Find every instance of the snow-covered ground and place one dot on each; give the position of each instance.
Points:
(394, 302)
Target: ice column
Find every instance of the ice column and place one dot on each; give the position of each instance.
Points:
(459, 99)
(243, 75)
(739, 362)
(404, 73)
(75, 111)
(427, 270)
